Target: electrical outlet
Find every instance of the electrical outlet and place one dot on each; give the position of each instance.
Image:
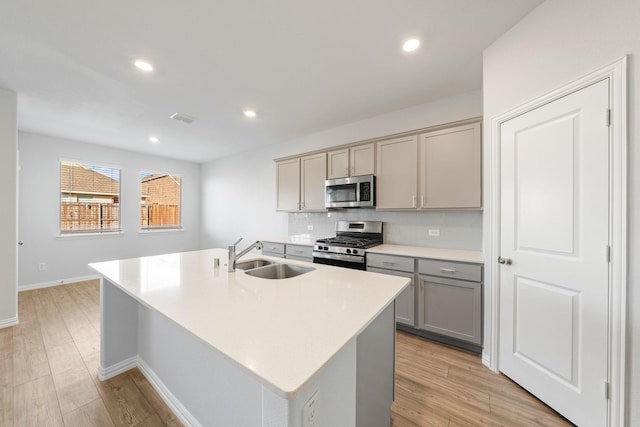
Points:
(42, 266)
(310, 227)
(434, 232)
(310, 412)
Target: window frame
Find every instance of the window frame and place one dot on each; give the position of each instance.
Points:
(94, 231)
(153, 229)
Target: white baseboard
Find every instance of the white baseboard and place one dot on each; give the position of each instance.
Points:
(5, 323)
(172, 402)
(56, 283)
(117, 369)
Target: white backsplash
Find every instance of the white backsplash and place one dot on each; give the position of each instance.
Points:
(458, 229)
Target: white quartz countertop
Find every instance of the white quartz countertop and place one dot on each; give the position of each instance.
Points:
(433, 253)
(280, 331)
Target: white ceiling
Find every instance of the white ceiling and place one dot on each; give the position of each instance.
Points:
(303, 65)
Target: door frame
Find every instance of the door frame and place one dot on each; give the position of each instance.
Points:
(617, 73)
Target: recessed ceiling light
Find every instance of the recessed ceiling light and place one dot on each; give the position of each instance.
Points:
(153, 139)
(411, 45)
(250, 113)
(143, 65)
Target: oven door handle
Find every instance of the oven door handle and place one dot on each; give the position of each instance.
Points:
(340, 257)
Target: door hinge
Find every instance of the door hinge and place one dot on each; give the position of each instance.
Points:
(606, 390)
(608, 253)
(608, 117)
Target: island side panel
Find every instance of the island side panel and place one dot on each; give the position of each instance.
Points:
(335, 386)
(375, 370)
(118, 331)
(210, 388)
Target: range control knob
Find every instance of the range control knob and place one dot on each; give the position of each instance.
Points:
(348, 251)
(355, 251)
(326, 248)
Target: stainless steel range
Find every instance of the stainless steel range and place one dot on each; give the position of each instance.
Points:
(347, 249)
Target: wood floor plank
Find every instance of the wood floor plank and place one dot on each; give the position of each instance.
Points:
(165, 415)
(6, 343)
(35, 404)
(6, 391)
(74, 388)
(125, 403)
(93, 414)
(29, 357)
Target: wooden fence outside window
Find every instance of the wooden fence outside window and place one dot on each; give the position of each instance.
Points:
(159, 216)
(87, 217)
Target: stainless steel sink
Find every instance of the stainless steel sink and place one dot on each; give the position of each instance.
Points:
(254, 263)
(278, 271)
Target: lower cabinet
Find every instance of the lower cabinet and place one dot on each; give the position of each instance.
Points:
(450, 299)
(451, 307)
(274, 249)
(444, 300)
(403, 267)
(299, 252)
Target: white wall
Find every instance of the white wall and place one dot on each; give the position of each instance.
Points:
(557, 43)
(67, 257)
(238, 192)
(8, 187)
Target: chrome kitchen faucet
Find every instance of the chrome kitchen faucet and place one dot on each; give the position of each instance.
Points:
(231, 264)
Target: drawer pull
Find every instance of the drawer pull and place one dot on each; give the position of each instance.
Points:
(389, 263)
(299, 252)
(448, 270)
(272, 248)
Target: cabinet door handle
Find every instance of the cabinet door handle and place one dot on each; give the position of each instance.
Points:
(448, 270)
(353, 170)
(414, 201)
(422, 201)
(346, 171)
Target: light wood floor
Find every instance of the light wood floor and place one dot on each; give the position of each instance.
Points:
(48, 366)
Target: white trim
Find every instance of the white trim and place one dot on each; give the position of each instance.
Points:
(172, 402)
(120, 367)
(5, 323)
(90, 234)
(57, 282)
(617, 73)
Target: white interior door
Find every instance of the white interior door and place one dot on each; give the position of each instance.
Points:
(555, 232)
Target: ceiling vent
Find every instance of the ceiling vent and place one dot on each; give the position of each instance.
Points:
(182, 118)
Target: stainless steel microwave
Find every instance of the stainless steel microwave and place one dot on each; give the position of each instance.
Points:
(352, 192)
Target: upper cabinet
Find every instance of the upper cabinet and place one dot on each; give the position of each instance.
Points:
(451, 168)
(313, 173)
(300, 183)
(397, 173)
(354, 161)
(422, 170)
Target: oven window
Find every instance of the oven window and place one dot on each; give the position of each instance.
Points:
(342, 193)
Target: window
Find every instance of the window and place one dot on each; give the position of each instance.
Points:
(160, 202)
(89, 198)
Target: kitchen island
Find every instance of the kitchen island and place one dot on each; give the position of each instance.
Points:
(225, 348)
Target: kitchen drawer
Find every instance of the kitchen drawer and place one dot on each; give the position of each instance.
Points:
(390, 262)
(450, 269)
(299, 251)
(273, 249)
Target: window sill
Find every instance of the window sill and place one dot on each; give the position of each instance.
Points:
(89, 235)
(161, 230)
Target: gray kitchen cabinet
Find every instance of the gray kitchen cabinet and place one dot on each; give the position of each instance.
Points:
(397, 173)
(450, 299)
(353, 161)
(288, 185)
(403, 267)
(451, 168)
(299, 252)
(274, 249)
(300, 183)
